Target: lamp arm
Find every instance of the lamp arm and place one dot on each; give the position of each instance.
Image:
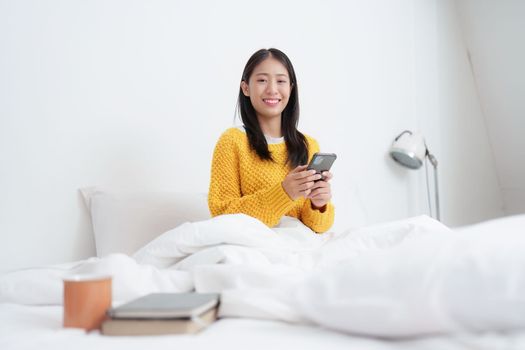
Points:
(402, 133)
(432, 159)
(438, 214)
(434, 163)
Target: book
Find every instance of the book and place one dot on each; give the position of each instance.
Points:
(166, 305)
(162, 313)
(145, 326)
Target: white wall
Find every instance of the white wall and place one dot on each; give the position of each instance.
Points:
(135, 94)
(494, 32)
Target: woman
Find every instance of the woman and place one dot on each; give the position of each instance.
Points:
(260, 169)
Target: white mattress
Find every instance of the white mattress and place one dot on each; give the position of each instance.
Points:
(40, 327)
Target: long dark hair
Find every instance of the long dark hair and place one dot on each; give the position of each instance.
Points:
(296, 144)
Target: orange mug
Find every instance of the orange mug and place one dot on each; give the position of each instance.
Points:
(86, 300)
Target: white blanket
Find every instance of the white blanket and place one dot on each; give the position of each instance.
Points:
(404, 278)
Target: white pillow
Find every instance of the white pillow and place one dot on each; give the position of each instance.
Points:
(124, 221)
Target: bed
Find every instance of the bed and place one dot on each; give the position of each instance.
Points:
(31, 327)
(412, 283)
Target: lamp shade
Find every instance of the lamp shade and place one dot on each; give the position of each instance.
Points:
(409, 149)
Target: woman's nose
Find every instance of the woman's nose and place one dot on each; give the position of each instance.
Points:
(271, 88)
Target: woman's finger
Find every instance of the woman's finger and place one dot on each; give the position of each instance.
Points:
(303, 187)
(298, 169)
(310, 177)
(321, 189)
(317, 195)
(302, 175)
(321, 184)
(327, 176)
(319, 192)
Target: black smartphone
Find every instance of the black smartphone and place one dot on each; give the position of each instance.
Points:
(321, 162)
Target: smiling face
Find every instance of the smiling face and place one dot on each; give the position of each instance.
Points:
(268, 89)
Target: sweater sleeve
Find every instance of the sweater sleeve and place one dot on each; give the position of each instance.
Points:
(319, 220)
(224, 196)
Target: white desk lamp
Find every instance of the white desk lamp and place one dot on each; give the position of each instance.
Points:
(410, 150)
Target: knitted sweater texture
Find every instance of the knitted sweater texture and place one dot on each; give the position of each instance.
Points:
(243, 183)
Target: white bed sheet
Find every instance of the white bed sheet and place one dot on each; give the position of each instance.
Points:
(251, 265)
(40, 327)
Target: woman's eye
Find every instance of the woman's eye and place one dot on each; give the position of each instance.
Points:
(282, 81)
(261, 80)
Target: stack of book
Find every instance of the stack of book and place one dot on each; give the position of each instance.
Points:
(162, 313)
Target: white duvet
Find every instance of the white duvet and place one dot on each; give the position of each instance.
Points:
(405, 278)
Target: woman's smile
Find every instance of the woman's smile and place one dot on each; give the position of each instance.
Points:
(272, 102)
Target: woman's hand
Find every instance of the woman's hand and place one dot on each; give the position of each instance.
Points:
(299, 182)
(321, 193)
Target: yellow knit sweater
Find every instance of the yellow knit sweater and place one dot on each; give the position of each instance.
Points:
(243, 183)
